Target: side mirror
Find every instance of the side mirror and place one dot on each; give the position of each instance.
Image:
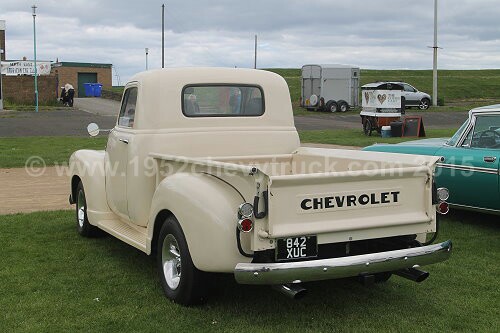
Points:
(93, 129)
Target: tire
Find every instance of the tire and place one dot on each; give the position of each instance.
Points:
(83, 226)
(332, 106)
(182, 282)
(424, 104)
(367, 127)
(321, 104)
(343, 106)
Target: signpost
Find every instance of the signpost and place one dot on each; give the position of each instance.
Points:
(34, 52)
(1, 93)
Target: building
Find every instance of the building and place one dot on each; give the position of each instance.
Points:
(18, 84)
(78, 73)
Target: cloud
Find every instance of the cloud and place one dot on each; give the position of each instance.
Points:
(369, 34)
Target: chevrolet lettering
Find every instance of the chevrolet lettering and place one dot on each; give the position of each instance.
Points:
(351, 200)
(221, 184)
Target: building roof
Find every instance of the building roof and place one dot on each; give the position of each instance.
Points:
(81, 64)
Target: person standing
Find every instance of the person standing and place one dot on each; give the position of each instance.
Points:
(70, 93)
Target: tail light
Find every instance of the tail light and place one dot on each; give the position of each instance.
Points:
(245, 225)
(443, 207)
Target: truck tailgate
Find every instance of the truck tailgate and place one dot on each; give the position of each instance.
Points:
(352, 205)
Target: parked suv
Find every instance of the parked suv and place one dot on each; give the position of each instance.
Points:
(412, 96)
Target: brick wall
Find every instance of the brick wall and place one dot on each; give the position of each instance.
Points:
(21, 89)
(70, 75)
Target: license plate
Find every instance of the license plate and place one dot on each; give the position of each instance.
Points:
(296, 248)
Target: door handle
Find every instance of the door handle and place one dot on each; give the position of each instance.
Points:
(489, 159)
(124, 141)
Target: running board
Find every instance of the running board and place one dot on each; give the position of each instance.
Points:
(124, 232)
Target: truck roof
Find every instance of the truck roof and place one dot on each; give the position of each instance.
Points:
(159, 103)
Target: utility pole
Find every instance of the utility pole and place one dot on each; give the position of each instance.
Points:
(147, 52)
(1, 98)
(435, 57)
(34, 52)
(255, 54)
(163, 36)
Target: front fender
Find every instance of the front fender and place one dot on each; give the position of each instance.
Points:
(88, 165)
(207, 210)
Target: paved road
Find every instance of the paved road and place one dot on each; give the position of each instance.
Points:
(73, 121)
(98, 106)
(61, 122)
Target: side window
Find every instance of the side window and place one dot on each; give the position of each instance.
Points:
(468, 138)
(486, 132)
(409, 88)
(127, 111)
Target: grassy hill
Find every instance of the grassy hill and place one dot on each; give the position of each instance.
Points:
(455, 86)
(459, 89)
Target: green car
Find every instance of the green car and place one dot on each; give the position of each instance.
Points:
(469, 167)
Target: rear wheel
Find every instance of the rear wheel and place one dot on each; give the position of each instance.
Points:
(331, 106)
(424, 104)
(343, 106)
(182, 282)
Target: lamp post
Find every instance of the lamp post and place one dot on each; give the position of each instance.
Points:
(163, 36)
(34, 53)
(434, 60)
(255, 54)
(1, 98)
(147, 52)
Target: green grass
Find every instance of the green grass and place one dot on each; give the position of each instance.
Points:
(352, 137)
(14, 152)
(53, 280)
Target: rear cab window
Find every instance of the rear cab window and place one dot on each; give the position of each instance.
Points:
(214, 100)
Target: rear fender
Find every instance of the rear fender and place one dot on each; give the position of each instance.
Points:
(206, 208)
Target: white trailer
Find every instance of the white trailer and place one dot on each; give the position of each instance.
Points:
(329, 88)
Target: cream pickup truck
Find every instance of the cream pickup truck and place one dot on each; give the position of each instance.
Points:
(205, 170)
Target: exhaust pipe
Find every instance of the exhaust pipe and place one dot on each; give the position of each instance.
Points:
(413, 274)
(291, 290)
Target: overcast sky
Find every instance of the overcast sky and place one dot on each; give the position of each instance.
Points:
(379, 34)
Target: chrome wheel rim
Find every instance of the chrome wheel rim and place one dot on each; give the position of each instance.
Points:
(81, 208)
(424, 105)
(171, 262)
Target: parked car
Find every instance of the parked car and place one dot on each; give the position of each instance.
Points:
(470, 160)
(412, 96)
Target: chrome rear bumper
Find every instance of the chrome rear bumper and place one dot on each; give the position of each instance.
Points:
(324, 269)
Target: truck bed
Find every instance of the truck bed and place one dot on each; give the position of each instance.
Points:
(339, 195)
